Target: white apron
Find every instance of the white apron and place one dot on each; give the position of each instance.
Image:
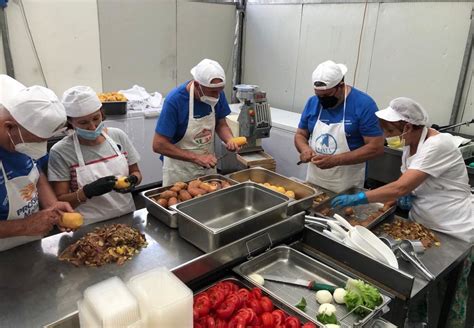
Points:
(22, 202)
(330, 139)
(112, 204)
(444, 206)
(199, 139)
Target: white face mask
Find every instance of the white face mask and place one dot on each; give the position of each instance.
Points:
(34, 150)
(211, 101)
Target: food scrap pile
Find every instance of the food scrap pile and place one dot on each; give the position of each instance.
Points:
(320, 198)
(406, 229)
(182, 191)
(111, 97)
(113, 243)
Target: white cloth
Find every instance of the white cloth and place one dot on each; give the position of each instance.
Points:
(443, 202)
(22, 202)
(328, 73)
(330, 139)
(208, 70)
(112, 204)
(80, 101)
(140, 99)
(199, 139)
(38, 110)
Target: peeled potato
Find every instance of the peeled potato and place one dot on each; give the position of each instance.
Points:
(71, 220)
(281, 189)
(290, 194)
(240, 141)
(122, 183)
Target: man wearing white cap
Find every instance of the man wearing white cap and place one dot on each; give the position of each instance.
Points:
(338, 131)
(434, 176)
(192, 113)
(84, 166)
(28, 117)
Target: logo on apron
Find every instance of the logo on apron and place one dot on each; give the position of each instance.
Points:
(203, 137)
(27, 192)
(326, 144)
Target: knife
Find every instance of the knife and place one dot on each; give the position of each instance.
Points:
(310, 284)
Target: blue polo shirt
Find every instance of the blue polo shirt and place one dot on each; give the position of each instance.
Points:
(174, 116)
(360, 118)
(16, 165)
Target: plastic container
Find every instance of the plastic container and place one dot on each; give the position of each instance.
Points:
(109, 304)
(164, 300)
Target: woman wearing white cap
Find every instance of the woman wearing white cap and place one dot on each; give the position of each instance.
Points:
(84, 166)
(28, 117)
(434, 175)
(338, 131)
(192, 114)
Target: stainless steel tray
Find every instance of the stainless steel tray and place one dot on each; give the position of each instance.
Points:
(361, 212)
(287, 262)
(290, 310)
(216, 219)
(169, 217)
(304, 194)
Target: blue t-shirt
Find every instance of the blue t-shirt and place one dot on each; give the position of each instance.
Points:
(174, 116)
(360, 117)
(16, 165)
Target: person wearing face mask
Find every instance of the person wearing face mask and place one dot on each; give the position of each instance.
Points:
(338, 131)
(28, 207)
(192, 113)
(434, 177)
(84, 166)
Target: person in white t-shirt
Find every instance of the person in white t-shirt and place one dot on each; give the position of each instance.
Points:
(434, 177)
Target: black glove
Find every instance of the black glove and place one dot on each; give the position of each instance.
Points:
(132, 179)
(99, 187)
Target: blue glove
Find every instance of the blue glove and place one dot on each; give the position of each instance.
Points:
(350, 200)
(405, 202)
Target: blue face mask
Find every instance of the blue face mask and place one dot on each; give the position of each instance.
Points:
(88, 134)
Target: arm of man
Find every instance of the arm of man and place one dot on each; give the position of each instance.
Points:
(225, 133)
(302, 145)
(37, 224)
(164, 146)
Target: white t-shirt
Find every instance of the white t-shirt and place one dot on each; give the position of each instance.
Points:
(443, 202)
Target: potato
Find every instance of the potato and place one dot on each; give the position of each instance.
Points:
(240, 141)
(348, 211)
(172, 201)
(280, 189)
(194, 184)
(168, 194)
(196, 191)
(207, 187)
(290, 194)
(175, 188)
(122, 183)
(215, 184)
(225, 184)
(181, 185)
(184, 195)
(163, 202)
(71, 220)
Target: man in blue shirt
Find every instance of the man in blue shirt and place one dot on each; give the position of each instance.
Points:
(192, 114)
(28, 117)
(338, 131)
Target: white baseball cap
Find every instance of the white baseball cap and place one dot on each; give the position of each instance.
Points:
(208, 70)
(9, 87)
(404, 109)
(38, 110)
(80, 101)
(328, 73)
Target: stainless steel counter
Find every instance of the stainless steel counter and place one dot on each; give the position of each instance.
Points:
(37, 289)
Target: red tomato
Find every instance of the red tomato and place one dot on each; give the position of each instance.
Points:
(244, 295)
(236, 322)
(195, 314)
(247, 314)
(229, 286)
(197, 325)
(234, 298)
(267, 320)
(309, 325)
(203, 305)
(267, 304)
(256, 292)
(216, 297)
(292, 322)
(225, 310)
(279, 317)
(255, 305)
(210, 322)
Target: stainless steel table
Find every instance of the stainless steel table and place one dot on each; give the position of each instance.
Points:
(37, 289)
